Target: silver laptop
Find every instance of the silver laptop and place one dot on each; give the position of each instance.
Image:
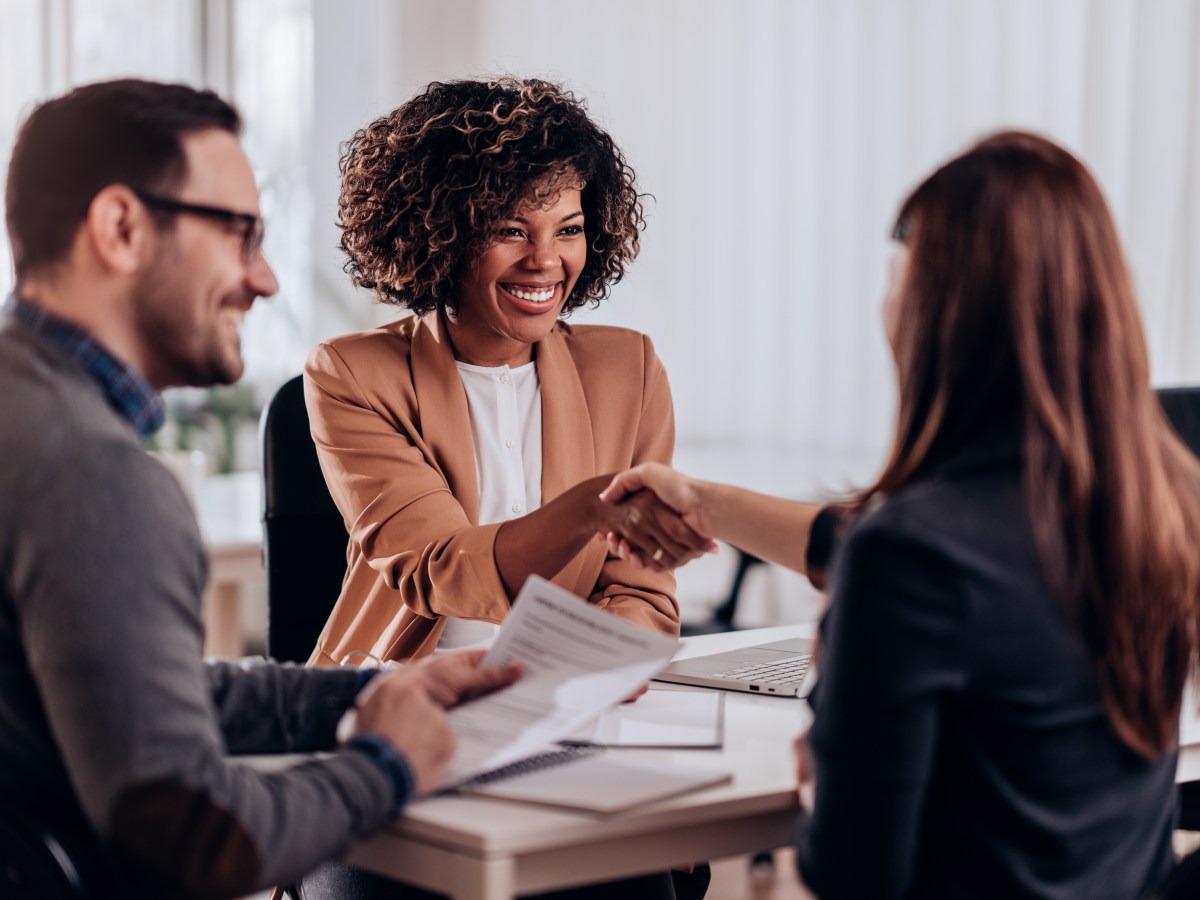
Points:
(783, 667)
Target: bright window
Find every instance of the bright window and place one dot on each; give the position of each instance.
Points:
(259, 55)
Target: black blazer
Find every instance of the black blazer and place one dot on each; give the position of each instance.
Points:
(960, 744)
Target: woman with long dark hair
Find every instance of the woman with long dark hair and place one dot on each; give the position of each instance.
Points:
(1015, 602)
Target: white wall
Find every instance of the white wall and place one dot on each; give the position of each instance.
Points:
(778, 138)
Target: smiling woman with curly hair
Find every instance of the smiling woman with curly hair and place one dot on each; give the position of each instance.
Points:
(466, 444)
(426, 188)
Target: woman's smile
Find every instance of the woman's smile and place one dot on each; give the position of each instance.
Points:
(536, 296)
(512, 296)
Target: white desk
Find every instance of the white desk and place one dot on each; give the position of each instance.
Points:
(481, 849)
(484, 849)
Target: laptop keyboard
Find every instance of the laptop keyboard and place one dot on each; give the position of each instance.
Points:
(787, 671)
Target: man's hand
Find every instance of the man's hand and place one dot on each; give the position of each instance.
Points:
(407, 707)
(454, 677)
(661, 526)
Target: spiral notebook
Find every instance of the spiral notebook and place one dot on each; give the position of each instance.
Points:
(587, 779)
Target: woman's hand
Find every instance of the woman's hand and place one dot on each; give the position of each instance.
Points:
(678, 491)
(771, 528)
(646, 531)
(637, 693)
(663, 528)
(543, 541)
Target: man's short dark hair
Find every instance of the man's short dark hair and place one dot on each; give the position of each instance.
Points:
(72, 147)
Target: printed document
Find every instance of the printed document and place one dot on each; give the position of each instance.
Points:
(578, 661)
(662, 717)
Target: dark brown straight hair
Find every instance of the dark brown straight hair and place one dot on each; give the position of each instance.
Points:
(1018, 306)
(70, 148)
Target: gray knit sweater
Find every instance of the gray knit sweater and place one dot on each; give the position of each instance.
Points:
(105, 703)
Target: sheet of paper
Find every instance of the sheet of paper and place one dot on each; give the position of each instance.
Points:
(659, 718)
(578, 661)
(602, 784)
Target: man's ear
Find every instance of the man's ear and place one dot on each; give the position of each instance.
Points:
(120, 229)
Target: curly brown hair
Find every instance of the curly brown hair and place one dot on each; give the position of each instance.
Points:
(424, 187)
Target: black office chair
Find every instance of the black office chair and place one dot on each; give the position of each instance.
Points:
(304, 537)
(1182, 406)
(1183, 883)
(44, 861)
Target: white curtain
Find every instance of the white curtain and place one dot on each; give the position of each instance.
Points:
(778, 138)
(259, 53)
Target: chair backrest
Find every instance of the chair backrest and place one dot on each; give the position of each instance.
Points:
(1182, 406)
(39, 861)
(1183, 883)
(304, 537)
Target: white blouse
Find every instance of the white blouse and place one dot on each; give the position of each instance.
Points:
(506, 430)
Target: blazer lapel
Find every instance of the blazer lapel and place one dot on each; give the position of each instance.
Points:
(445, 417)
(568, 450)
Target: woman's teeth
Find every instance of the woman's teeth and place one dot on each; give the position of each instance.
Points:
(541, 295)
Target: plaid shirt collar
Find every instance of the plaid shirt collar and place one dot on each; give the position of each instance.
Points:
(127, 391)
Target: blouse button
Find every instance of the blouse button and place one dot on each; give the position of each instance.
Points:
(516, 507)
(504, 379)
(510, 443)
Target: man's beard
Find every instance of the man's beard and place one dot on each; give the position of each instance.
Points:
(182, 352)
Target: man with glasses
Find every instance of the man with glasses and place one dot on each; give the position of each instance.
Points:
(252, 227)
(137, 243)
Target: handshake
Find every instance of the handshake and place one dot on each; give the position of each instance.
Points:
(656, 518)
(651, 515)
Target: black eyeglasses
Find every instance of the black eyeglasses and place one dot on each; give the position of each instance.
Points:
(252, 226)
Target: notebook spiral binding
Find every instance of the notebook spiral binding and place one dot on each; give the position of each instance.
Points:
(537, 761)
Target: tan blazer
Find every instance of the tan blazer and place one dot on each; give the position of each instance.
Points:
(392, 428)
